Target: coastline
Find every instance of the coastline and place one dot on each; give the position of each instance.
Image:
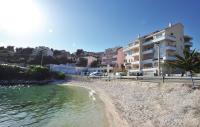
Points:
(146, 104)
(29, 82)
(111, 113)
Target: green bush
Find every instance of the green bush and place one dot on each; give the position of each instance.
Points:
(8, 72)
(35, 72)
(60, 76)
(39, 73)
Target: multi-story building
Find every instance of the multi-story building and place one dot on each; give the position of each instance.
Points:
(146, 53)
(44, 50)
(90, 59)
(113, 57)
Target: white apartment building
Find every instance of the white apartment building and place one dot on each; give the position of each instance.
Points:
(45, 51)
(142, 54)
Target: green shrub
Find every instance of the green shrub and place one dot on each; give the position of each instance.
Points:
(8, 72)
(35, 72)
(39, 73)
(61, 75)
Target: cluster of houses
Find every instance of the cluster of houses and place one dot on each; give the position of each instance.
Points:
(143, 55)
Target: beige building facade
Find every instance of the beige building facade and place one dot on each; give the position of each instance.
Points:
(147, 53)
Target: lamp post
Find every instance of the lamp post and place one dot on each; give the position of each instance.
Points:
(158, 46)
(41, 62)
(41, 59)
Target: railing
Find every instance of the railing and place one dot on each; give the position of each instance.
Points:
(135, 54)
(188, 43)
(163, 37)
(170, 47)
(147, 61)
(147, 42)
(146, 51)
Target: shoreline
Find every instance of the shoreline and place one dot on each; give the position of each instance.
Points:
(146, 104)
(110, 110)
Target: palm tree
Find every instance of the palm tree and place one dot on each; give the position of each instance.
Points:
(189, 62)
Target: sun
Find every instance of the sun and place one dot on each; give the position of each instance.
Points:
(19, 17)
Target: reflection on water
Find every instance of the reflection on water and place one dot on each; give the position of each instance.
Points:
(49, 106)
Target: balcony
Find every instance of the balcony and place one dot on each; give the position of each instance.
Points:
(147, 43)
(128, 48)
(135, 54)
(136, 46)
(125, 49)
(171, 48)
(164, 37)
(147, 61)
(188, 43)
(135, 62)
(148, 51)
(170, 58)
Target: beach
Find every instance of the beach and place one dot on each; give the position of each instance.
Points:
(131, 103)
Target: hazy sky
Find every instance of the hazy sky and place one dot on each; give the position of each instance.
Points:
(95, 24)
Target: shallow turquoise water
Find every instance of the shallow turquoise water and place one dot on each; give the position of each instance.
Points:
(50, 106)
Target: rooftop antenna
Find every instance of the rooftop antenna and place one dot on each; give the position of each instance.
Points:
(138, 35)
(170, 24)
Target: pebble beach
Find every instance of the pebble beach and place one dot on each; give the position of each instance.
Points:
(147, 104)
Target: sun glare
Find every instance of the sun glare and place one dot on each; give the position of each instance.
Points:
(19, 17)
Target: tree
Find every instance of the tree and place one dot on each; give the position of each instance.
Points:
(82, 62)
(167, 68)
(123, 68)
(189, 62)
(94, 64)
(79, 52)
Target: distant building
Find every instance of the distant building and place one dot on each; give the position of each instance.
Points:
(113, 57)
(142, 54)
(44, 50)
(90, 59)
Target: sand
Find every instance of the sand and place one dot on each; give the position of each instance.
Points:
(147, 104)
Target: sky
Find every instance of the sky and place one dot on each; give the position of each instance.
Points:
(92, 25)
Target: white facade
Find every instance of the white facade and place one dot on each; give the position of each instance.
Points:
(142, 54)
(44, 50)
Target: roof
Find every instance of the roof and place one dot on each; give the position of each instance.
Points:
(157, 31)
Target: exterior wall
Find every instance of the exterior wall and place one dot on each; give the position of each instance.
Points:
(120, 57)
(72, 69)
(90, 59)
(110, 57)
(170, 41)
(178, 31)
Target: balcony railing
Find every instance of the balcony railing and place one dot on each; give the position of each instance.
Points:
(147, 61)
(147, 51)
(135, 62)
(147, 43)
(188, 43)
(130, 47)
(164, 37)
(169, 58)
(135, 54)
(170, 47)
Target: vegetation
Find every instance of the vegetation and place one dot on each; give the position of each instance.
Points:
(189, 62)
(82, 62)
(8, 72)
(11, 72)
(94, 64)
(59, 75)
(38, 73)
(167, 68)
